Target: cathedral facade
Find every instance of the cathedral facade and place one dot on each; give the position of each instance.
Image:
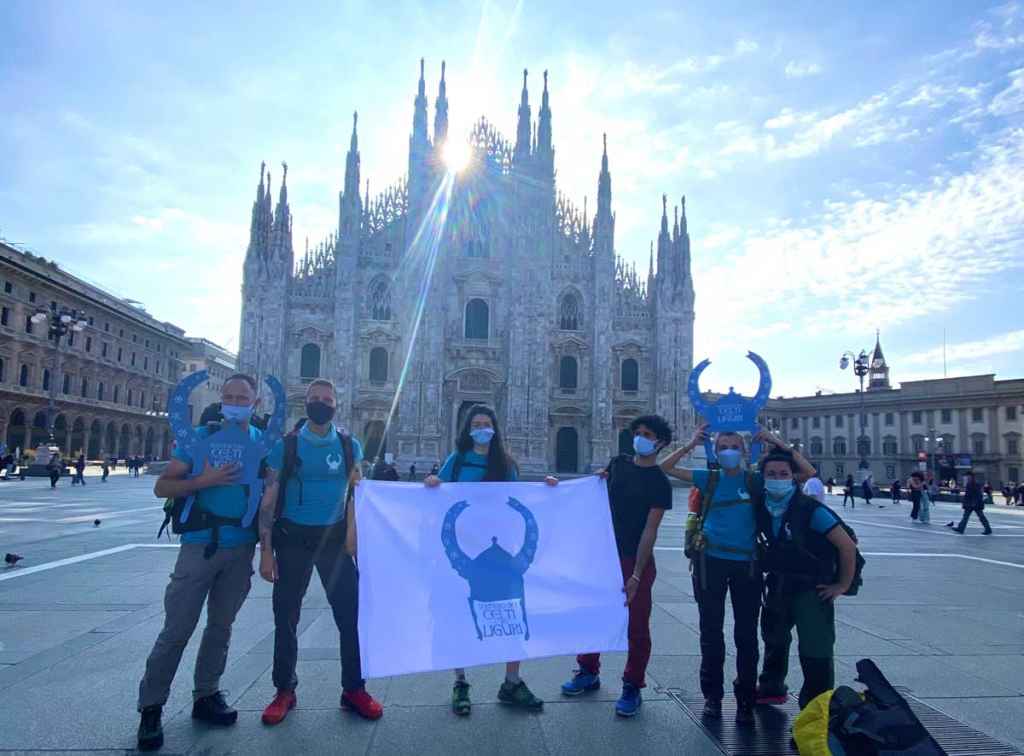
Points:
(482, 285)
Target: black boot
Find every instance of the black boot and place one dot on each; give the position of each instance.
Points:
(151, 731)
(744, 713)
(214, 710)
(712, 708)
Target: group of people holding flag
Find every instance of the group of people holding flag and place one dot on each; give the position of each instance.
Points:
(744, 521)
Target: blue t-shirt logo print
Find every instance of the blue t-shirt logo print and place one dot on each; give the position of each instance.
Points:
(497, 600)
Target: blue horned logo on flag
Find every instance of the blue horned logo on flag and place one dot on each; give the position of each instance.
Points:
(497, 599)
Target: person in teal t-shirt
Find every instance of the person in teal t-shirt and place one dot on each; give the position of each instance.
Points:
(220, 579)
(480, 456)
(315, 528)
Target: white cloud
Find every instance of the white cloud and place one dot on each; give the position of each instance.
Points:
(798, 70)
(1003, 343)
(1011, 99)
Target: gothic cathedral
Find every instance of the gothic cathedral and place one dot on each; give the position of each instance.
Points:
(481, 286)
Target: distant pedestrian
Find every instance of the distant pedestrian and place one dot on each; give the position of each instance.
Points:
(412, 472)
(915, 484)
(1020, 495)
(106, 471)
(986, 494)
(815, 489)
(925, 515)
(434, 469)
(80, 469)
(973, 502)
(829, 484)
(54, 469)
(867, 491)
(848, 492)
(896, 491)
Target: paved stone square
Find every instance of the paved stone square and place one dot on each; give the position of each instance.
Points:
(941, 614)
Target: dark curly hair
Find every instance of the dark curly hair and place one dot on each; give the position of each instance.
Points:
(499, 463)
(779, 456)
(656, 424)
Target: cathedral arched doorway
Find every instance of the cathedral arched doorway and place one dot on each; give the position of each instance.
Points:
(567, 450)
(40, 434)
(375, 442)
(625, 441)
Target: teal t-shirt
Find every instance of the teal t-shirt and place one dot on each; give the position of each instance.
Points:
(224, 501)
(730, 529)
(474, 467)
(822, 521)
(315, 494)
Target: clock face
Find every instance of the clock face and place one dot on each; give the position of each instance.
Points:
(876, 365)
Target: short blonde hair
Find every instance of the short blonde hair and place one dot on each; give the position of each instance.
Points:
(320, 382)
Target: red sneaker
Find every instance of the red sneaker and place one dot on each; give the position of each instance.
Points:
(284, 701)
(362, 703)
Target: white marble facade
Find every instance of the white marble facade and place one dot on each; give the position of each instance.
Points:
(520, 299)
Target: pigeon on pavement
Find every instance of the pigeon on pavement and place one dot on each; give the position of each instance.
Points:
(12, 559)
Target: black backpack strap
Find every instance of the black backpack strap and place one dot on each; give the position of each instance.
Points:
(289, 464)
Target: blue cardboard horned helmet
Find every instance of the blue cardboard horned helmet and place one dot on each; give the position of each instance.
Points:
(230, 443)
(495, 574)
(732, 412)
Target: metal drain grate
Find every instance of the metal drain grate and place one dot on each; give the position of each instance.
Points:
(771, 736)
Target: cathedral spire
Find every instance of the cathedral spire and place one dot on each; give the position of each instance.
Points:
(441, 112)
(878, 378)
(522, 149)
(664, 216)
(604, 222)
(352, 164)
(419, 140)
(281, 234)
(675, 224)
(684, 243)
(545, 149)
(257, 232)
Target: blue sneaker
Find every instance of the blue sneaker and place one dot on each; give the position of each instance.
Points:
(581, 682)
(629, 702)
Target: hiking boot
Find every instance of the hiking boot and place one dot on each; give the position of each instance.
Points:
(581, 682)
(629, 702)
(362, 703)
(987, 532)
(284, 701)
(712, 708)
(214, 710)
(151, 731)
(460, 698)
(744, 713)
(768, 696)
(517, 694)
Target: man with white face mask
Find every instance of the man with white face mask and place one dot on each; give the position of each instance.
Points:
(639, 494)
(724, 561)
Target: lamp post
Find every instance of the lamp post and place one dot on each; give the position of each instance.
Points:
(860, 369)
(62, 321)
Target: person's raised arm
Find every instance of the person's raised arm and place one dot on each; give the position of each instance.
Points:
(173, 481)
(668, 465)
(805, 469)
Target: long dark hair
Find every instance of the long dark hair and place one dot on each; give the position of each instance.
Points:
(499, 463)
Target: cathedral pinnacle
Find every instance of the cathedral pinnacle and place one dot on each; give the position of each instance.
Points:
(441, 111)
(522, 148)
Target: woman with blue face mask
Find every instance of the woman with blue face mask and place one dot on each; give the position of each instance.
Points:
(810, 561)
(724, 562)
(480, 456)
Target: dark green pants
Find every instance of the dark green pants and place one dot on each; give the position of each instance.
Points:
(815, 622)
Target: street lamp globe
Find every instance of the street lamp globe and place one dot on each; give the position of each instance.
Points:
(39, 317)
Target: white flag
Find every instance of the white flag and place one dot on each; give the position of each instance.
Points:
(477, 573)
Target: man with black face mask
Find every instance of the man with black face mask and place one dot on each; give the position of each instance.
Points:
(310, 525)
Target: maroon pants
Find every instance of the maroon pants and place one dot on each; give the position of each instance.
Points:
(639, 628)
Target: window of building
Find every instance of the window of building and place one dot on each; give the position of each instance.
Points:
(1013, 474)
(309, 362)
(23, 377)
(815, 423)
(794, 423)
(71, 338)
(1012, 445)
(378, 365)
(147, 343)
(839, 421)
(135, 337)
(570, 316)
(380, 300)
(568, 373)
(2, 370)
(85, 388)
(839, 446)
(889, 447)
(977, 415)
(28, 324)
(145, 363)
(890, 419)
(129, 402)
(133, 359)
(120, 333)
(477, 319)
(947, 415)
(46, 379)
(864, 446)
(1011, 413)
(840, 469)
(978, 445)
(142, 399)
(157, 368)
(630, 375)
(918, 442)
(67, 384)
(5, 316)
(890, 472)
(915, 417)
(120, 354)
(8, 288)
(31, 296)
(100, 391)
(106, 327)
(817, 447)
(104, 349)
(117, 393)
(88, 343)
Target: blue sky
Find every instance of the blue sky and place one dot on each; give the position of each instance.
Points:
(846, 168)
